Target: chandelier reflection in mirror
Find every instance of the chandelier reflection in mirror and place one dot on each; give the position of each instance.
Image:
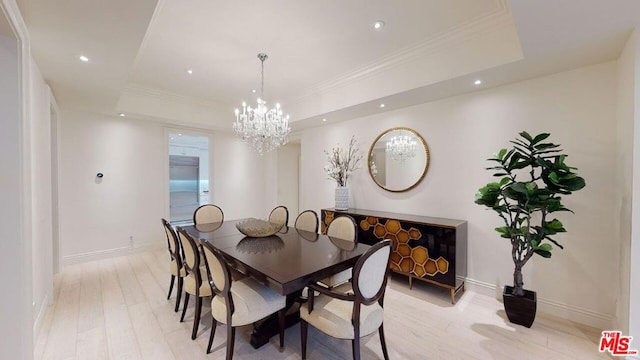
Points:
(265, 129)
(401, 147)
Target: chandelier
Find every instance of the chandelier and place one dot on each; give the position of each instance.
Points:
(401, 147)
(265, 129)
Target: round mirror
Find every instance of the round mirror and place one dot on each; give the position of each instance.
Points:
(398, 159)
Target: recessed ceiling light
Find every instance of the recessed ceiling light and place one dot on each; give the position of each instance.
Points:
(189, 71)
(121, 114)
(381, 105)
(253, 91)
(378, 24)
(179, 134)
(84, 58)
(324, 120)
(477, 82)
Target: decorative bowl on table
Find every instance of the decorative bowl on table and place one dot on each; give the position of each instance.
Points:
(258, 228)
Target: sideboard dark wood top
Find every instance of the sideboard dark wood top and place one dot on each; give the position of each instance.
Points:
(426, 220)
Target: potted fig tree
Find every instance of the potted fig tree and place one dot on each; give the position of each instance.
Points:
(533, 177)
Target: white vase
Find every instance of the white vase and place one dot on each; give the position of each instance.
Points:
(342, 198)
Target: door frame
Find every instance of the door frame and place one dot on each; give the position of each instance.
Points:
(190, 132)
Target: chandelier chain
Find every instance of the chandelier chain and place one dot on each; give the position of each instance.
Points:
(262, 57)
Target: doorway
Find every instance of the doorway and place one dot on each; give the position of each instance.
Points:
(188, 175)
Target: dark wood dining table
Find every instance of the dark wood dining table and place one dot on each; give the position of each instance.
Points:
(286, 262)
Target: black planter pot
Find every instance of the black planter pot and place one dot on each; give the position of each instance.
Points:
(520, 310)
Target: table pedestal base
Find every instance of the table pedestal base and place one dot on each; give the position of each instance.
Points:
(267, 328)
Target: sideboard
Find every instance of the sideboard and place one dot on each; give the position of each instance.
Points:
(429, 249)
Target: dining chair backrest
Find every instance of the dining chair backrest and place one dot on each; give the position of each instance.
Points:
(308, 221)
(218, 272)
(190, 251)
(343, 227)
(172, 243)
(371, 272)
(279, 215)
(208, 213)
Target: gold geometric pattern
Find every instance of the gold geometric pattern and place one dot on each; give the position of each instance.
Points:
(405, 259)
(442, 264)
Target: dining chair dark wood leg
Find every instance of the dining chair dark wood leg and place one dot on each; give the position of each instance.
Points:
(184, 306)
(356, 342)
(304, 326)
(231, 336)
(281, 326)
(356, 348)
(179, 296)
(214, 324)
(196, 318)
(383, 342)
(173, 279)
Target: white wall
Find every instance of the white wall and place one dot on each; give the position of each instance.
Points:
(242, 180)
(100, 215)
(288, 179)
(97, 217)
(634, 268)
(15, 327)
(41, 185)
(624, 172)
(578, 108)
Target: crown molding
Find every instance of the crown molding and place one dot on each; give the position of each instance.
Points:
(140, 90)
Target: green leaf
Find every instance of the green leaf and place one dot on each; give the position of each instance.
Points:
(539, 138)
(544, 254)
(575, 184)
(501, 154)
(504, 231)
(531, 186)
(518, 187)
(545, 247)
(546, 146)
(526, 135)
(554, 226)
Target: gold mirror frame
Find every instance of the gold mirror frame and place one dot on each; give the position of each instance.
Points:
(421, 142)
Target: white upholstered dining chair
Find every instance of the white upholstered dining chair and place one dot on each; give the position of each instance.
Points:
(208, 213)
(279, 215)
(343, 228)
(176, 267)
(195, 282)
(308, 221)
(237, 303)
(354, 314)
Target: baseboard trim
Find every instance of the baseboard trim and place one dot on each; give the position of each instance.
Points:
(548, 307)
(108, 253)
(37, 324)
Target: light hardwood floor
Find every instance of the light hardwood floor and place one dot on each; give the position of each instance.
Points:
(117, 309)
